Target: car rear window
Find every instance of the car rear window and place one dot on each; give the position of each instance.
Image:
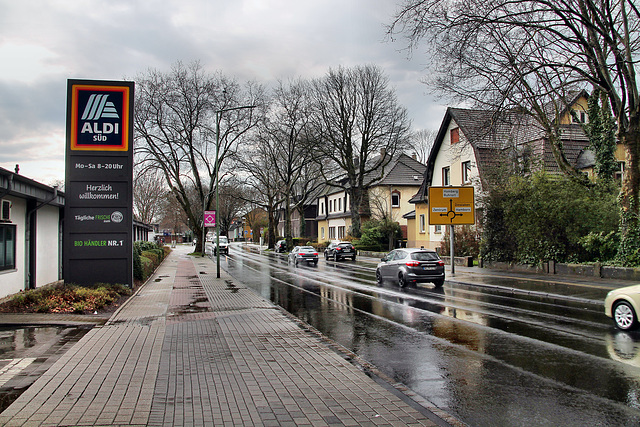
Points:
(425, 256)
(345, 245)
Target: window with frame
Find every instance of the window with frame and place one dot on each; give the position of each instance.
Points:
(332, 232)
(395, 199)
(466, 172)
(579, 116)
(446, 176)
(455, 135)
(340, 205)
(341, 232)
(423, 223)
(619, 175)
(7, 247)
(322, 233)
(438, 229)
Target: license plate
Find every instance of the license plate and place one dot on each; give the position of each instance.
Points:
(347, 250)
(428, 268)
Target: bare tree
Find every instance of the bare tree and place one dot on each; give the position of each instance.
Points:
(232, 203)
(263, 188)
(179, 116)
(531, 56)
(149, 195)
(357, 118)
(285, 139)
(421, 144)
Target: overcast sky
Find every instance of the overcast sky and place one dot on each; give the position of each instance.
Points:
(44, 43)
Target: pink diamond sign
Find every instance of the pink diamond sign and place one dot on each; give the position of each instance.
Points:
(209, 218)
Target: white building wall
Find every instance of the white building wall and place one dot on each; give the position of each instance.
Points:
(452, 157)
(13, 281)
(47, 246)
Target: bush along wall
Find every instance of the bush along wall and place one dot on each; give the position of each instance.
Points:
(147, 256)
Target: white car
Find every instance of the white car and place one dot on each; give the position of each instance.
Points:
(622, 305)
(224, 245)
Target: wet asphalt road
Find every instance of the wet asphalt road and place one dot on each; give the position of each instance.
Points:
(491, 349)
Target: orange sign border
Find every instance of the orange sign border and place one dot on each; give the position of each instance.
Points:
(124, 145)
(447, 203)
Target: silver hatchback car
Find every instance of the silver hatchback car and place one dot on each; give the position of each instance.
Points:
(411, 266)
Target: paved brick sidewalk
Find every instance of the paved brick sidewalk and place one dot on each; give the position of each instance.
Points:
(190, 349)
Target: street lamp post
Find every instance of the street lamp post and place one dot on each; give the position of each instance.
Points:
(218, 117)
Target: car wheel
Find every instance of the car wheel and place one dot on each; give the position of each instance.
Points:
(326, 256)
(624, 316)
(315, 262)
(353, 258)
(402, 282)
(438, 283)
(335, 257)
(296, 262)
(378, 277)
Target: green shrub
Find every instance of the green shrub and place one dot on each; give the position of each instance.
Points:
(465, 242)
(545, 217)
(66, 298)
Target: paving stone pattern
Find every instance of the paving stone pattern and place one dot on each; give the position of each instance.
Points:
(190, 349)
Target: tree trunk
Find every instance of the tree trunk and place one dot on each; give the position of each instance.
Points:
(629, 194)
(272, 228)
(355, 196)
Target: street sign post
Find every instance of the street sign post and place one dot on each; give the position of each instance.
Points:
(451, 206)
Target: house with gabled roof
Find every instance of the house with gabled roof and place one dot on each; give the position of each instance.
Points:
(473, 145)
(388, 196)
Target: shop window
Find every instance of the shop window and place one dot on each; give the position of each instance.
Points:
(7, 247)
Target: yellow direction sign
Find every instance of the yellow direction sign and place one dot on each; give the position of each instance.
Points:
(451, 206)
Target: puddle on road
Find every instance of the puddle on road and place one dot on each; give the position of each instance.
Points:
(43, 344)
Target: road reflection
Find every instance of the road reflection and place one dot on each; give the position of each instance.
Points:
(488, 356)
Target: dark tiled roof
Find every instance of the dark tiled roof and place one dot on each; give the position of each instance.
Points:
(404, 171)
(491, 135)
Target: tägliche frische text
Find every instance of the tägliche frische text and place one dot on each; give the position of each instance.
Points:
(94, 243)
(115, 216)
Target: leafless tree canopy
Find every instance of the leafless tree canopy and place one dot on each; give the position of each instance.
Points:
(149, 195)
(531, 56)
(421, 143)
(177, 117)
(357, 116)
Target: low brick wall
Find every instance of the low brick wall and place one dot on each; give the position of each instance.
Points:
(462, 261)
(586, 270)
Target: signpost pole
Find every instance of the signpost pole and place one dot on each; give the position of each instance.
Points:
(451, 239)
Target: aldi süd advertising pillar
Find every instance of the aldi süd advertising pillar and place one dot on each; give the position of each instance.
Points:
(98, 214)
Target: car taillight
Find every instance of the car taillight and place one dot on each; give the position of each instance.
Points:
(413, 264)
(338, 249)
(441, 263)
(315, 253)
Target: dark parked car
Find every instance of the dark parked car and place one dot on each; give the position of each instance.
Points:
(339, 250)
(304, 254)
(281, 246)
(411, 266)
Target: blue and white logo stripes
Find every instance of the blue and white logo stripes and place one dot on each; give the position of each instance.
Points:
(99, 107)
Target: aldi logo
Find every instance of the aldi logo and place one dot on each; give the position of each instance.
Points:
(99, 117)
